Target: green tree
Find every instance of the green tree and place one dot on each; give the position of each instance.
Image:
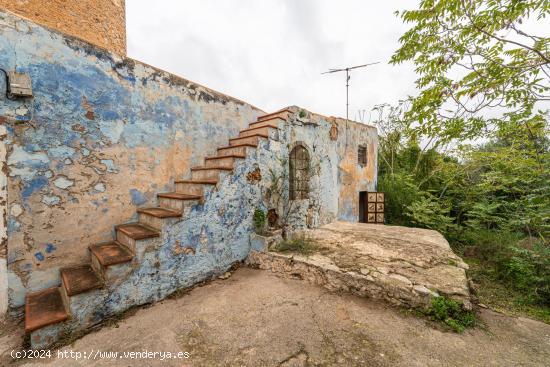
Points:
(470, 154)
(472, 55)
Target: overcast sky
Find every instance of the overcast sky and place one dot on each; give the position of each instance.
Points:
(271, 53)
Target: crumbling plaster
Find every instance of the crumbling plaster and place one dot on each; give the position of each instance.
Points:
(214, 235)
(336, 177)
(101, 137)
(105, 134)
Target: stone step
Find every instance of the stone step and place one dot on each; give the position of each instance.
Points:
(209, 173)
(155, 217)
(275, 120)
(261, 130)
(178, 201)
(281, 113)
(253, 139)
(236, 149)
(194, 187)
(225, 161)
(79, 279)
(44, 308)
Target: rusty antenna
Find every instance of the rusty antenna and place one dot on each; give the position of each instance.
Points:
(347, 70)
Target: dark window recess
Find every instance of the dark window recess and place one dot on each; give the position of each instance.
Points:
(299, 173)
(362, 155)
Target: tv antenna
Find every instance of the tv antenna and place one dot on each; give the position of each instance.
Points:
(347, 70)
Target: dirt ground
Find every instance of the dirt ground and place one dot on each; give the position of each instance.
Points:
(254, 318)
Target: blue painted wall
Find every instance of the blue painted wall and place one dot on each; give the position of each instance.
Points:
(105, 134)
(102, 136)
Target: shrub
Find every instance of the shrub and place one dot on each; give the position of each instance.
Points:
(451, 313)
(259, 221)
(509, 258)
(428, 212)
(400, 192)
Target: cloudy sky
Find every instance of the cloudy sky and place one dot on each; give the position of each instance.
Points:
(271, 53)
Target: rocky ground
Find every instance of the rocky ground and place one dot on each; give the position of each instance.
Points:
(255, 318)
(401, 265)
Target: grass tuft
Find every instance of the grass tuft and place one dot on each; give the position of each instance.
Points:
(301, 244)
(451, 313)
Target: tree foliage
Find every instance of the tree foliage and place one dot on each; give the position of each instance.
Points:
(493, 196)
(470, 154)
(475, 55)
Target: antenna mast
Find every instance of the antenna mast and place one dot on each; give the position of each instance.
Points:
(347, 70)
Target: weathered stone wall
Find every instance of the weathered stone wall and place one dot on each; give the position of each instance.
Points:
(102, 136)
(211, 236)
(3, 222)
(336, 177)
(101, 22)
(352, 177)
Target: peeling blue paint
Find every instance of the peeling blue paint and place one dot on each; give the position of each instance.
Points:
(80, 101)
(61, 152)
(138, 198)
(33, 186)
(110, 164)
(50, 248)
(13, 225)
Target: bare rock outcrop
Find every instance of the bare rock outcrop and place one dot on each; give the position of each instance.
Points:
(404, 266)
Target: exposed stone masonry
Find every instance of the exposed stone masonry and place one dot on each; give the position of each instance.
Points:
(101, 22)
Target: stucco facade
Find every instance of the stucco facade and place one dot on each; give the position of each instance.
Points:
(104, 135)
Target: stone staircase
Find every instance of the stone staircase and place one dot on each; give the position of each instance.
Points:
(53, 312)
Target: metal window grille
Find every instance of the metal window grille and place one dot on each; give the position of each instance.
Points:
(362, 155)
(299, 173)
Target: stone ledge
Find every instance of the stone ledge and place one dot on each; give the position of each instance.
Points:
(367, 266)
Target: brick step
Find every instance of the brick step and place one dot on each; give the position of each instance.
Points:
(108, 258)
(225, 161)
(44, 308)
(275, 120)
(128, 234)
(239, 149)
(261, 130)
(281, 113)
(110, 253)
(79, 279)
(178, 200)
(209, 173)
(194, 187)
(253, 139)
(137, 231)
(154, 217)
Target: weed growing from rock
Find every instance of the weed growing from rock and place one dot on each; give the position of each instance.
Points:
(451, 313)
(259, 220)
(300, 244)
